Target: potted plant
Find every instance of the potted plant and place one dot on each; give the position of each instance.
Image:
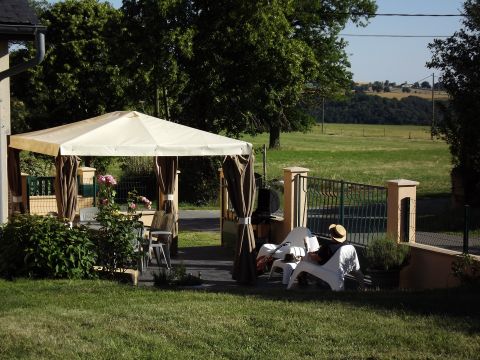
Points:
(385, 258)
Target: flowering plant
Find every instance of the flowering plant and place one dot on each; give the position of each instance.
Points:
(117, 236)
(134, 199)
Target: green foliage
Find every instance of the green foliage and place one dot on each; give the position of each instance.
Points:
(161, 33)
(466, 269)
(384, 253)
(36, 164)
(198, 180)
(116, 238)
(458, 59)
(176, 276)
(44, 247)
(133, 166)
(78, 78)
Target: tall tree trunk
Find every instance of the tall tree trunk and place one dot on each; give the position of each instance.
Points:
(274, 137)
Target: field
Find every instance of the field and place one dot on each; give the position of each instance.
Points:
(398, 94)
(370, 154)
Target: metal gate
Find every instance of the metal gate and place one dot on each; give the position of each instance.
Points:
(361, 208)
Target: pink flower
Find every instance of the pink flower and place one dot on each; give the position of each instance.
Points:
(132, 206)
(110, 180)
(104, 201)
(101, 179)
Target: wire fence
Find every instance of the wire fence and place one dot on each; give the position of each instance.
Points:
(453, 228)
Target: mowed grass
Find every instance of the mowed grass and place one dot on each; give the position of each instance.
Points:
(369, 154)
(105, 320)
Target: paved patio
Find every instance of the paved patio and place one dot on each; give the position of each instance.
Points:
(213, 263)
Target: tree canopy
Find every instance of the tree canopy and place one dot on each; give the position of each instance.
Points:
(233, 66)
(78, 77)
(458, 58)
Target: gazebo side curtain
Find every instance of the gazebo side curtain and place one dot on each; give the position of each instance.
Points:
(66, 185)
(165, 168)
(15, 178)
(239, 175)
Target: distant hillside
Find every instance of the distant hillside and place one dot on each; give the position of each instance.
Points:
(370, 109)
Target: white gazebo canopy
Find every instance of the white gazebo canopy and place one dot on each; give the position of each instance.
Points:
(128, 133)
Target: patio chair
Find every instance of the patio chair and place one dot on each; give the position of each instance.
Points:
(344, 261)
(295, 238)
(293, 245)
(140, 246)
(88, 214)
(160, 235)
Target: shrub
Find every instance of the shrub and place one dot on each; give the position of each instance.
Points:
(176, 277)
(466, 269)
(116, 238)
(44, 247)
(384, 253)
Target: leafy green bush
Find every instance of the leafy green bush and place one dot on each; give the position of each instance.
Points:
(384, 253)
(44, 247)
(466, 269)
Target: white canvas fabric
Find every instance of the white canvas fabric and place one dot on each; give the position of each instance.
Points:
(128, 133)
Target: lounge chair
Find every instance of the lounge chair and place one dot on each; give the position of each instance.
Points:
(344, 261)
(286, 254)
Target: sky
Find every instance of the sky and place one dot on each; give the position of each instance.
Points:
(400, 59)
(396, 59)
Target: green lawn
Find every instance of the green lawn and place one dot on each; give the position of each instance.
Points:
(105, 320)
(370, 154)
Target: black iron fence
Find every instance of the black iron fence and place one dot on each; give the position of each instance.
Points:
(361, 208)
(454, 228)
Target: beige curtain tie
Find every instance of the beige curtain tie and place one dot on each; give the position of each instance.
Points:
(169, 197)
(245, 220)
(16, 199)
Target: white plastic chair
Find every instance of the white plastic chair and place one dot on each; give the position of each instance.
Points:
(160, 236)
(88, 214)
(344, 261)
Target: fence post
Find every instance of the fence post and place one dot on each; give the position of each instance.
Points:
(291, 208)
(342, 203)
(398, 190)
(466, 229)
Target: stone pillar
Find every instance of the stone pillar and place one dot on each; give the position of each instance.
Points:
(290, 212)
(86, 175)
(399, 192)
(4, 131)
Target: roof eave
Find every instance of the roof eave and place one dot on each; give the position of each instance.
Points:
(19, 32)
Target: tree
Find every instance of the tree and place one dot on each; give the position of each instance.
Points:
(416, 85)
(425, 85)
(161, 34)
(377, 86)
(77, 78)
(458, 58)
(253, 60)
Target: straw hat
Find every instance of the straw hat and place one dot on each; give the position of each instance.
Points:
(338, 233)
